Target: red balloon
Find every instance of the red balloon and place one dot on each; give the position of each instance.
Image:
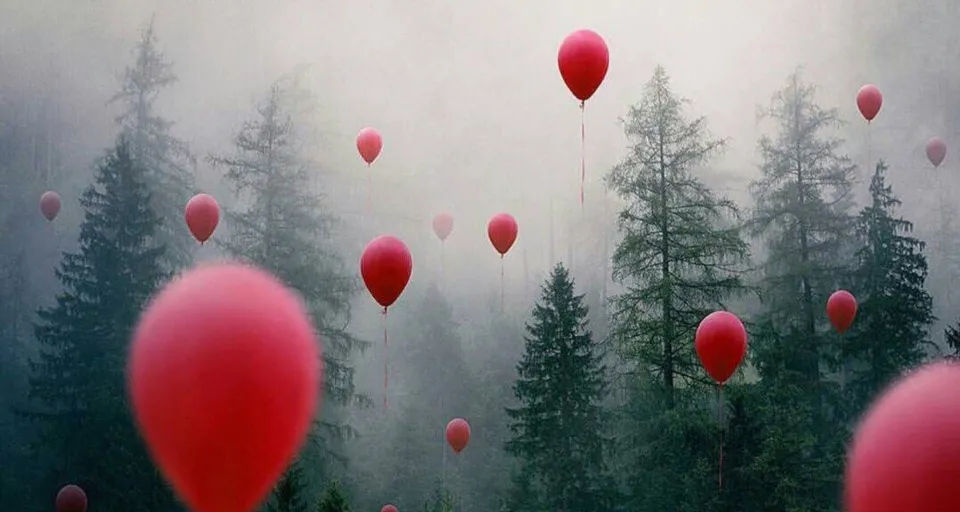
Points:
(224, 375)
(203, 215)
(905, 453)
(458, 434)
(721, 344)
(443, 225)
(71, 498)
(502, 230)
(583, 61)
(50, 204)
(389, 508)
(386, 265)
(936, 151)
(869, 101)
(369, 144)
(841, 310)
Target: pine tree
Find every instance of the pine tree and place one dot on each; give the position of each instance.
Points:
(680, 253)
(288, 493)
(890, 332)
(333, 499)
(79, 376)
(285, 228)
(441, 500)
(558, 426)
(165, 157)
(951, 336)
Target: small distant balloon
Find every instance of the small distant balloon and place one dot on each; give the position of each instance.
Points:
(502, 231)
(458, 434)
(202, 215)
(443, 225)
(71, 498)
(50, 204)
(869, 101)
(841, 310)
(386, 266)
(583, 60)
(224, 376)
(389, 508)
(369, 144)
(936, 151)
(721, 344)
(904, 454)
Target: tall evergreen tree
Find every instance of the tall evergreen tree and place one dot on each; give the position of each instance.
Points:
(558, 427)
(333, 499)
(79, 376)
(166, 159)
(288, 494)
(284, 227)
(890, 333)
(680, 254)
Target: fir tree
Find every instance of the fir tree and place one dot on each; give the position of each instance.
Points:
(79, 376)
(679, 254)
(333, 499)
(890, 332)
(285, 228)
(558, 426)
(441, 500)
(165, 158)
(288, 493)
(951, 336)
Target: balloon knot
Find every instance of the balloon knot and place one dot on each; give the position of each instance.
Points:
(583, 104)
(384, 312)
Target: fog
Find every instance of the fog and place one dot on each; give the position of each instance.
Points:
(476, 119)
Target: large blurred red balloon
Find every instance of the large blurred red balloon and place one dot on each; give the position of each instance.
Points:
(369, 144)
(502, 230)
(50, 204)
(458, 434)
(389, 508)
(905, 454)
(71, 498)
(841, 310)
(443, 225)
(224, 374)
(721, 344)
(386, 266)
(936, 151)
(583, 60)
(202, 215)
(869, 101)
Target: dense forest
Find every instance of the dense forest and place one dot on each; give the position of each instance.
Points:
(572, 356)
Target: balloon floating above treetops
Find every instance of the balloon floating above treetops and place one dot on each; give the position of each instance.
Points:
(443, 225)
(224, 375)
(202, 215)
(71, 498)
(50, 204)
(936, 151)
(869, 101)
(721, 344)
(583, 60)
(369, 144)
(502, 231)
(904, 454)
(841, 310)
(458, 434)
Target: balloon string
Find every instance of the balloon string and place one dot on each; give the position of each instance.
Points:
(720, 425)
(386, 358)
(583, 158)
(443, 271)
(501, 283)
(369, 189)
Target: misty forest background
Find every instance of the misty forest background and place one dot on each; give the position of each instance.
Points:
(582, 390)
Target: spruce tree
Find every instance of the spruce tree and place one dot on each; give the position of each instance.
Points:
(890, 332)
(86, 425)
(284, 227)
(166, 159)
(288, 492)
(680, 254)
(558, 428)
(333, 499)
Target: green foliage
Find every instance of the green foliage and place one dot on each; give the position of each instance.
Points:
(165, 158)
(288, 493)
(440, 501)
(890, 332)
(680, 256)
(558, 427)
(333, 499)
(79, 375)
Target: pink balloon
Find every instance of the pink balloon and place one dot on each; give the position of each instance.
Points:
(869, 101)
(202, 215)
(936, 151)
(369, 144)
(50, 204)
(583, 60)
(443, 225)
